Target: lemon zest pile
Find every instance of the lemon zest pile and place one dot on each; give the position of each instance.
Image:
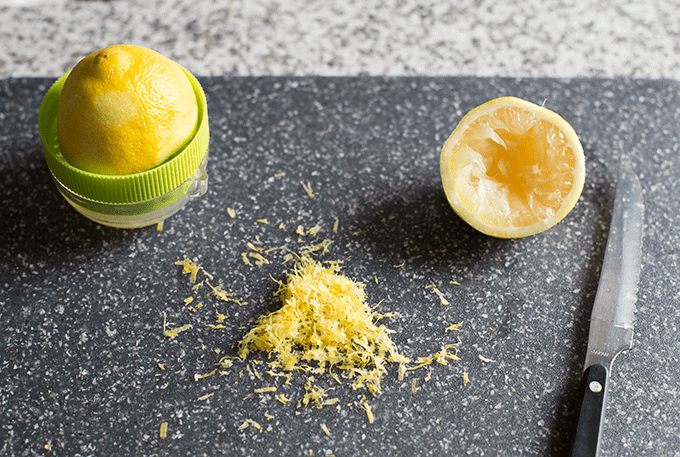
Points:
(324, 320)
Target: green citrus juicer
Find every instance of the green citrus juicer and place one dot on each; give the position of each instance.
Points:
(135, 200)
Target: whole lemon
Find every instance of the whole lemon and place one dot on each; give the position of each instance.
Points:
(123, 110)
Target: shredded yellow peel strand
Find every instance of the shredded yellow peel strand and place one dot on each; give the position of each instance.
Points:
(173, 332)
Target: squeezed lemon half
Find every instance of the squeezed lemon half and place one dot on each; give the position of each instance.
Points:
(512, 169)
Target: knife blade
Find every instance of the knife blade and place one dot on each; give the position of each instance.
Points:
(611, 320)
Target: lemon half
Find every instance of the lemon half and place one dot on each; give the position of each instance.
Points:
(512, 169)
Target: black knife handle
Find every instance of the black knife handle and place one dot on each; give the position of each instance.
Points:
(591, 412)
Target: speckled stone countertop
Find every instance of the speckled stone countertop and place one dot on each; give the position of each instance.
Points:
(85, 368)
(629, 38)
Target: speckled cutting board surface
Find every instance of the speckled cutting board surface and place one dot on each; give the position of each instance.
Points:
(86, 370)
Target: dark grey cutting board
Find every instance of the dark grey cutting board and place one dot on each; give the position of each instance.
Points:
(82, 305)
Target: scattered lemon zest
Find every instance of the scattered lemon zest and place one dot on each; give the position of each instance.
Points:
(205, 397)
(466, 378)
(225, 362)
(250, 423)
(48, 447)
(259, 259)
(163, 433)
(202, 376)
(325, 429)
(315, 248)
(159, 226)
(280, 174)
(263, 221)
(441, 357)
(252, 247)
(369, 412)
(246, 260)
(189, 267)
(231, 212)
(399, 265)
(173, 332)
(454, 327)
(314, 394)
(486, 360)
(336, 224)
(220, 317)
(308, 189)
(314, 230)
(428, 376)
(288, 376)
(455, 283)
(268, 416)
(414, 389)
(401, 372)
(300, 230)
(264, 390)
(223, 295)
(282, 398)
(439, 293)
(161, 366)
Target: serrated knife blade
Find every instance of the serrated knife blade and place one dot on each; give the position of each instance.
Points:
(611, 321)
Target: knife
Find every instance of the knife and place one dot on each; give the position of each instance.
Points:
(611, 321)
